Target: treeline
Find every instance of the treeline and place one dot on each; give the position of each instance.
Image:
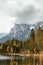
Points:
(34, 43)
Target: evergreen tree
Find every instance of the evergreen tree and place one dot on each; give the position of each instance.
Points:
(32, 43)
(32, 34)
(39, 37)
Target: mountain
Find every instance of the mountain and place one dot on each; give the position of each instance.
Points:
(41, 24)
(2, 35)
(20, 32)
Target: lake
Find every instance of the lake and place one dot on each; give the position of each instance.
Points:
(20, 60)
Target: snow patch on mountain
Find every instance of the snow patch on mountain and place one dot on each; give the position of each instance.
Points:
(21, 32)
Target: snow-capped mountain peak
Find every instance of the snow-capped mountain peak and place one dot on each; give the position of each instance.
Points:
(20, 32)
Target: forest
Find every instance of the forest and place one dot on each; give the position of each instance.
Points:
(35, 42)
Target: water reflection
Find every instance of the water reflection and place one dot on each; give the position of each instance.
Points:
(18, 60)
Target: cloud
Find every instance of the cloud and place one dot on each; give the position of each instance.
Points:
(27, 14)
(19, 11)
(6, 8)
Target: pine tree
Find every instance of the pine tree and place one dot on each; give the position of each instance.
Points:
(32, 43)
(32, 34)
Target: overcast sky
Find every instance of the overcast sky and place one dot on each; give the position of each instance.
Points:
(19, 11)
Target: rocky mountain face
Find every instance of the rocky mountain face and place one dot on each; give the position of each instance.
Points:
(21, 32)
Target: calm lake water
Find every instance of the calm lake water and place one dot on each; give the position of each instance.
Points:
(17, 60)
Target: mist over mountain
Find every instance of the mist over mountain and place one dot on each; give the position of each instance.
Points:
(21, 32)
